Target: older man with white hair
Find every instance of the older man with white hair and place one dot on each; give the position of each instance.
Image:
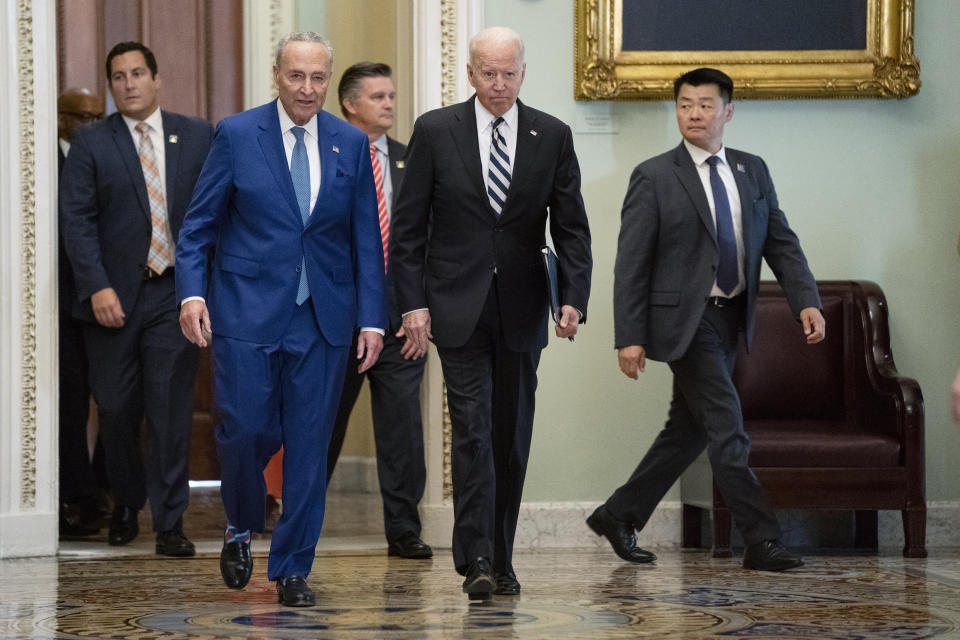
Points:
(483, 179)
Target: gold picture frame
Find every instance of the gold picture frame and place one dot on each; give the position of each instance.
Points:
(887, 68)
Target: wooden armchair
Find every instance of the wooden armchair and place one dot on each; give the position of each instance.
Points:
(832, 426)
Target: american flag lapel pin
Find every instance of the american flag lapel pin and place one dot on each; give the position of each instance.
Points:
(336, 149)
(172, 138)
(741, 168)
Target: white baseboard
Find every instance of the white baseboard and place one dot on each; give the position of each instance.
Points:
(25, 535)
(355, 474)
(562, 524)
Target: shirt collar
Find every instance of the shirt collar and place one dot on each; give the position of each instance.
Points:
(381, 144)
(485, 118)
(700, 156)
(155, 120)
(286, 123)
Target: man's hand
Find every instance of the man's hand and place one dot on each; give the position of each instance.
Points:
(814, 326)
(569, 322)
(955, 398)
(416, 326)
(194, 320)
(633, 360)
(369, 346)
(106, 308)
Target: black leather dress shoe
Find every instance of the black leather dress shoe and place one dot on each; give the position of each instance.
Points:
(409, 545)
(479, 582)
(236, 564)
(174, 543)
(123, 525)
(294, 592)
(619, 534)
(76, 521)
(507, 584)
(770, 555)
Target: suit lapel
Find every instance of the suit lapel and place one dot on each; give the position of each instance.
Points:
(397, 166)
(688, 176)
(329, 154)
(747, 191)
(171, 158)
(464, 132)
(528, 141)
(271, 144)
(131, 159)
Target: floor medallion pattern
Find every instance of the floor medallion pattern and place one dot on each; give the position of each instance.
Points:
(566, 594)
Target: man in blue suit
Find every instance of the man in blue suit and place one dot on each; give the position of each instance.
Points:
(124, 191)
(282, 240)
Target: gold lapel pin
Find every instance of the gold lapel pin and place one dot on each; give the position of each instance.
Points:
(532, 132)
(399, 164)
(172, 138)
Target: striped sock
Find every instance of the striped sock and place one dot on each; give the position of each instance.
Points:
(233, 535)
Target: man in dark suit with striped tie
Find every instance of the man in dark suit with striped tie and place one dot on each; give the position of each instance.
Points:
(367, 97)
(483, 179)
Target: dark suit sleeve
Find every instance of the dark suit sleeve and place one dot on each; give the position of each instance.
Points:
(636, 251)
(411, 221)
(367, 246)
(782, 252)
(198, 235)
(570, 230)
(79, 218)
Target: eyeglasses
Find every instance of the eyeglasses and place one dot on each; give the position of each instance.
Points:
(85, 116)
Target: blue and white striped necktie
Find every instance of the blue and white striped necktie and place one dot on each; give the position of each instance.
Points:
(498, 172)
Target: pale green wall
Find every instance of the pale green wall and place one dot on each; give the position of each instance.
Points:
(871, 187)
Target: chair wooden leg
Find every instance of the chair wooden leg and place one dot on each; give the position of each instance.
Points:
(692, 527)
(865, 530)
(915, 532)
(721, 532)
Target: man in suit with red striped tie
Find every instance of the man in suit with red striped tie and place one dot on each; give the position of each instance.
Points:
(367, 97)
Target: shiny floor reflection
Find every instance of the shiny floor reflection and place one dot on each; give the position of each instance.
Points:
(93, 590)
(566, 594)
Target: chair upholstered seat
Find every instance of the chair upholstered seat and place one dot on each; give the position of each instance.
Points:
(819, 443)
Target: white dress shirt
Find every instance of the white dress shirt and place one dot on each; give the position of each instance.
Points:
(310, 140)
(485, 132)
(700, 157)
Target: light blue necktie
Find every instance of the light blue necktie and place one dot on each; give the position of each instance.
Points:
(300, 173)
(727, 276)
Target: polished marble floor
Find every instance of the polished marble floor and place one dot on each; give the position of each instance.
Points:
(95, 591)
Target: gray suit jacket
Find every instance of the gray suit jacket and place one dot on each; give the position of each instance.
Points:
(667, 252)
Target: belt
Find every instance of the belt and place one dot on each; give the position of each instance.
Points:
(150, 274)
(720, 301)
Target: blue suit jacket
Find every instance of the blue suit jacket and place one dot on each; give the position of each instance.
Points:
(244, 217)
(104, 209)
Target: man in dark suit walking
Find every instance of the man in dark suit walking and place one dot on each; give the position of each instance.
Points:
(125, 188)
(470, 220)
(367, 97)
(696, 223)
(80, 496)
(287, 203)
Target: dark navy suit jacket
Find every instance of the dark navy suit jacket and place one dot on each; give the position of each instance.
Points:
(104, 209)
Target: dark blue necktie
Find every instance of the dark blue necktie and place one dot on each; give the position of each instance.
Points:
(498, 171)
(300, 174)
(727, 277)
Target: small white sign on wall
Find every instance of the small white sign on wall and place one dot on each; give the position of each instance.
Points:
(595, 119)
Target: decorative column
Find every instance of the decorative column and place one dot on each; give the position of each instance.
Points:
(28, 288)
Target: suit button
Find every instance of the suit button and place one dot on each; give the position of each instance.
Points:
(298, 268)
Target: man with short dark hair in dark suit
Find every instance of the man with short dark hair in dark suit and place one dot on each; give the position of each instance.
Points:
(483, 179)
(126, 186)
(80, 496)
(697, 221)
(367, 97)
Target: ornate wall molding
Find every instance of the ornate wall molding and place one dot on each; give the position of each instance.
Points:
(28, 248)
